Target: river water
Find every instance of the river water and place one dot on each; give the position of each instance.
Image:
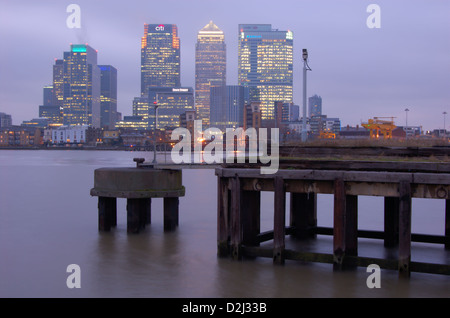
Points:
(48, 220)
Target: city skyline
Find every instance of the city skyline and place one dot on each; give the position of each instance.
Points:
(403, 64)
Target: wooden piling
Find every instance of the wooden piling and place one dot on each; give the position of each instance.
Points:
(223, 217)
(339, 224)
(447, 225)
(404, 252)
(113, 208)
(170, 213)
(238, 214)
(279, 221)
(148, 211)
(303, 214)
(251, 217)
(391, 208)
(235, 218)
(351, 225)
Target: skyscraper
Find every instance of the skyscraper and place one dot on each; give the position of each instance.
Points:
(172, 102)
(48, 95)
(108, 96)
(58, 83)
(315, 106)
(142, 109)
(81, 104)
(227, 106)
(160, 57)
(54, 96)
(210, 67)
(265, 65)
(49, 110)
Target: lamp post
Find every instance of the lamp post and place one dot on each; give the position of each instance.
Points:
(445, 113)
(406, 131)
(154, 131)
(305, 68)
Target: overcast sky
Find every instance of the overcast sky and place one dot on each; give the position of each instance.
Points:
(359, 72)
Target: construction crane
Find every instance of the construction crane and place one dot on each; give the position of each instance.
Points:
(378, 125)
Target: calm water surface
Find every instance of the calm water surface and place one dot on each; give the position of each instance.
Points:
(48, 220)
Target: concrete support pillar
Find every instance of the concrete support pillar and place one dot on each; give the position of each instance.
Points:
(171, 213)
(137, 213)
(107, 213)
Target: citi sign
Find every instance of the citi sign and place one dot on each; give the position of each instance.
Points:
(160, 27)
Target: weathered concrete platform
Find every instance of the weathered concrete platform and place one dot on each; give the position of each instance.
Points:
(138, 185)
(135, 183)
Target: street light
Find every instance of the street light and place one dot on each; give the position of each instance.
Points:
(305, 68)
(154, 131)
(406, 111)
(445, 113)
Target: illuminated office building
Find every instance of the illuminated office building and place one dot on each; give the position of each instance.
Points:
(58, 83)
(48, 95)
(315, 106)
(142, 110)
(285, 112)
(132, 123)
(160, 57)
(210, 67)
(50, 108)
(227, 106)
(52, 113)
(171, 102)
(265, 65)
(108, 96)
(81, 88)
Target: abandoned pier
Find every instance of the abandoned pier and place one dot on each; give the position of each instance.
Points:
(239, 188)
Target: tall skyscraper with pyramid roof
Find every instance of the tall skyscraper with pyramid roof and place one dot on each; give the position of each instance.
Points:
(210, 67)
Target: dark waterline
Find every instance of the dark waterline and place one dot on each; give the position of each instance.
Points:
(48, 220)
